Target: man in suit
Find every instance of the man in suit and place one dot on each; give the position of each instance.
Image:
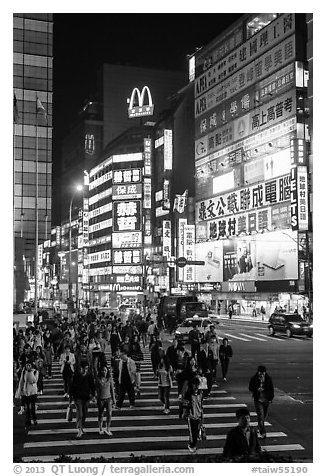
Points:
(242, 442)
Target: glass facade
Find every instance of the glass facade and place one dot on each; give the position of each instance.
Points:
(32, 79)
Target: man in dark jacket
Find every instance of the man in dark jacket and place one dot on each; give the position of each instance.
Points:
(206, 365)
(194, 339)
(262, 389)
(82, 390)
(172, 354)
(242, 442)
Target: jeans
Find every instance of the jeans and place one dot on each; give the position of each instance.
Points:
(81, 412)
(67, 381)
(105, 404)
(224, 366)
(193, 426)
(29, 404)
(164, 395)
(123, 388)
(261, 410)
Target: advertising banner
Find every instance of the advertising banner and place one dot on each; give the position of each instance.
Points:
(264, 117)
(168, 149)
(264, 66)
(127, 240)
(243, 102)
(126, 192)
(263, 41)
(147, 202)
(277, 256)
(133, 256)
(167, 238)
(239, 259)
(302, 198)
(189, 252)
(126, 216)
(147, 156)
(99, 256)
(166, 195)
(245, 199)
(212, 254)
(127, 270)
(182, 222)
(126, 176)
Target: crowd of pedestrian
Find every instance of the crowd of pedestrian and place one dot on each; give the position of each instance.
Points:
(82, 347)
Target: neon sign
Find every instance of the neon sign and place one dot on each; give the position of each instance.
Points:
(140, 109)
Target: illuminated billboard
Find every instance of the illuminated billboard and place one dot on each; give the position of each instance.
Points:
(126, 216)
(138, 107)
(127, 240)
(212, 254)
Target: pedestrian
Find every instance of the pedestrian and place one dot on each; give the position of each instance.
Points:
(262, 312)
(67, 362)
(184, 379)
(40, 367)
(172, 355)
(214, 347)
(143, 327)
(242, 442)
(207, 366)
(15, 380)
(27, 390)
(48, 358)
(230, 311)
(225, 353)
(137, 356)
(194, 339)
(127, 379)
(115, 339)
(105, 398)
(82, 391)
(125, 344)
(164, 374)
(262, 388)
(156, 349)
(194, 413)
(56, 339)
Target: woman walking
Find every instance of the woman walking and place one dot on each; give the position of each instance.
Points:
(27, 389)
(115, 339)
(225, 353)
(137, 356)
(67, 361)
(156, 349)
(164, 374)
(105, 397)
(40, 367)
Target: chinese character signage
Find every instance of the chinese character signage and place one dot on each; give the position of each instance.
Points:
(182, 222)
(244, 102)
(147, 202)
(123, 257)
(263, 41)
(126, 216)
(127, 240)
(126, 176)
(127, 269)
(147, 156)
(299, 198)
(189, 252)
(266, 116)
(266, 65)
(127, 191)
(168, 149)
(89, 144)
(167, 238)
(166, 195)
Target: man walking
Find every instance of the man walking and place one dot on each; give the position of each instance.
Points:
(82, 390)
(127, 379)
(262, 389)
(241, 442)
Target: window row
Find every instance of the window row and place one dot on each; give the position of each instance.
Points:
(30, 95)
(31, 36)
(32, 71)
(30, 166)
(33, 83)
(25, 142)
(35, 16)
(29, 202)
(30, 119)
(28, 178)
(33, 60)
(43, 133)
(33, 48)
(34, 25)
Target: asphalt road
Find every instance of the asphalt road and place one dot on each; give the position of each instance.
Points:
(289, 361)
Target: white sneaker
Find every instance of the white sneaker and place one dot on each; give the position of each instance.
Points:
(79, 434)
(101, 432)
(108, 432)
(21, 411)
(192, 450)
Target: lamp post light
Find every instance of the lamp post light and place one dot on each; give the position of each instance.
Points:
(78, 188)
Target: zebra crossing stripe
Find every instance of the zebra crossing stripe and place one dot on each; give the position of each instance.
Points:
(252, 337)
(237, 337)
(176, 452)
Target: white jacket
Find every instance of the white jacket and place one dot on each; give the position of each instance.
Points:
(131, 366)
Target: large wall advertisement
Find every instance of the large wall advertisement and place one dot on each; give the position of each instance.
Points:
(126, 215)
(264, 66)
(242, 103)
(264, 117)
(268, 37)
(261, 257)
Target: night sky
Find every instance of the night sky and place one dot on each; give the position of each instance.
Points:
(84, 41)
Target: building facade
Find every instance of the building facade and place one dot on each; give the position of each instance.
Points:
(252, 143)
(32, 137)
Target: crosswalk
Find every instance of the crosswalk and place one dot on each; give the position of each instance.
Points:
(143, 430)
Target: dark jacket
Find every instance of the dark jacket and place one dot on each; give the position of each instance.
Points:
(83, 386)
(225, 352)
(236, 445)
(267, 386)
(172, 356)
(206, 362)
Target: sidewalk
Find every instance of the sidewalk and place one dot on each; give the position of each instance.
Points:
(241, 317)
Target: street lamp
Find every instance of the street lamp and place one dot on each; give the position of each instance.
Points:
(78, 188)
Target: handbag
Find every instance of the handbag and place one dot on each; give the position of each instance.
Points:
(202, 432)
(202, 383)
(69, 413)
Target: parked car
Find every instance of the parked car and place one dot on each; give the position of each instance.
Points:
(182, 331)
(289, 324)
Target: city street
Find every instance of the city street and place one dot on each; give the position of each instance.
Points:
(145, 430)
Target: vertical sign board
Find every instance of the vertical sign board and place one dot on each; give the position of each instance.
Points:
(147, 202)
(168, 151)
(166, 195)
(294, 198)
(147, 156)
(85, 222)
(182, 222)
(302, 197)
(189, 252)
(167, 238)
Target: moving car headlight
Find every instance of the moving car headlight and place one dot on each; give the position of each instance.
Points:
(296, 326)
(177, 332)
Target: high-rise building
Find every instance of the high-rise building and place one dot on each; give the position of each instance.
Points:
(32, 82)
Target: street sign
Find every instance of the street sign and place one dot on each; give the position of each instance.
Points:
(196, 262)
(181, 261)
